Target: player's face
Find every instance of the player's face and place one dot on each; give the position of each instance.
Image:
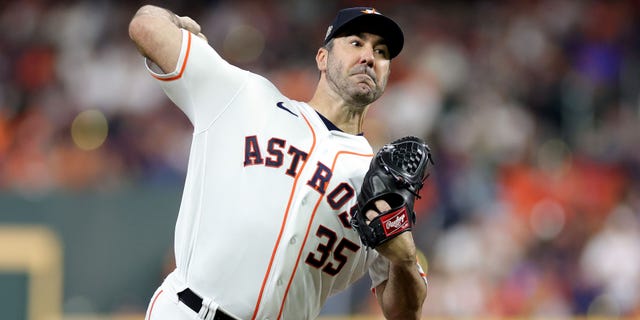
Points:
(358, 68)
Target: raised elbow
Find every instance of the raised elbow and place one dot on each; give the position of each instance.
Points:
(138, 27)
(145, 24)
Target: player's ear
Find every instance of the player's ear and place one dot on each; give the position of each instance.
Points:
(321, 59)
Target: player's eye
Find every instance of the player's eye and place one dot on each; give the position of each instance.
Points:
(383, 52)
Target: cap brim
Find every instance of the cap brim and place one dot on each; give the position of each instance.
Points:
(376, 24)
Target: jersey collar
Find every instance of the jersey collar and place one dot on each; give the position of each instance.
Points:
(332, 126)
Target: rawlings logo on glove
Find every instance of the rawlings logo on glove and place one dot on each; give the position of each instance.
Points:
(395, 222)
(396, 175)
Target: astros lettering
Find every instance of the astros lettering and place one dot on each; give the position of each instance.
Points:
(275, 158)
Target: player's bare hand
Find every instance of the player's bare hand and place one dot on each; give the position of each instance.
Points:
(191, 25)
(400, 249)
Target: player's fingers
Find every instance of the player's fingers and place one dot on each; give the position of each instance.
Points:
(381, 205)
(190, 24)
(370, 215)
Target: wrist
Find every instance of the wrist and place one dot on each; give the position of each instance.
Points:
(403, 262)
(399, 250)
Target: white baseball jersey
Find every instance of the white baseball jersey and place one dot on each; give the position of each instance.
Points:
(263, 230)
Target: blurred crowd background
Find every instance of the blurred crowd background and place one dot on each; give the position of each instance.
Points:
(532, 110)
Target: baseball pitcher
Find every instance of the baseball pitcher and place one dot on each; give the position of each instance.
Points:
(285, 202)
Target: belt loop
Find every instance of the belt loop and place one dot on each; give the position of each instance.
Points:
(209, 309)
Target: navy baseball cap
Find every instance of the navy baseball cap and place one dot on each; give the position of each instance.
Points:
(367, 19)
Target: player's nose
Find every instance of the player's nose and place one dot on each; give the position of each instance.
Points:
(367, 55)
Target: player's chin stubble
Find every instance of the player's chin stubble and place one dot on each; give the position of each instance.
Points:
(351, 87)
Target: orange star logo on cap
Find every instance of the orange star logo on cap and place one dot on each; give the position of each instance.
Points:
(370, 11)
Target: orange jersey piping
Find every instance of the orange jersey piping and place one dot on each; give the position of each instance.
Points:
(184, 62)
(154, 303)
(306, 236)
(284, 222)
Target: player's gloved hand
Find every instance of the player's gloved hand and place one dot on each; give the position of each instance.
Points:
(396, 175)
(398, 249)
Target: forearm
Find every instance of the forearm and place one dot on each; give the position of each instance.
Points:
(404, 292)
